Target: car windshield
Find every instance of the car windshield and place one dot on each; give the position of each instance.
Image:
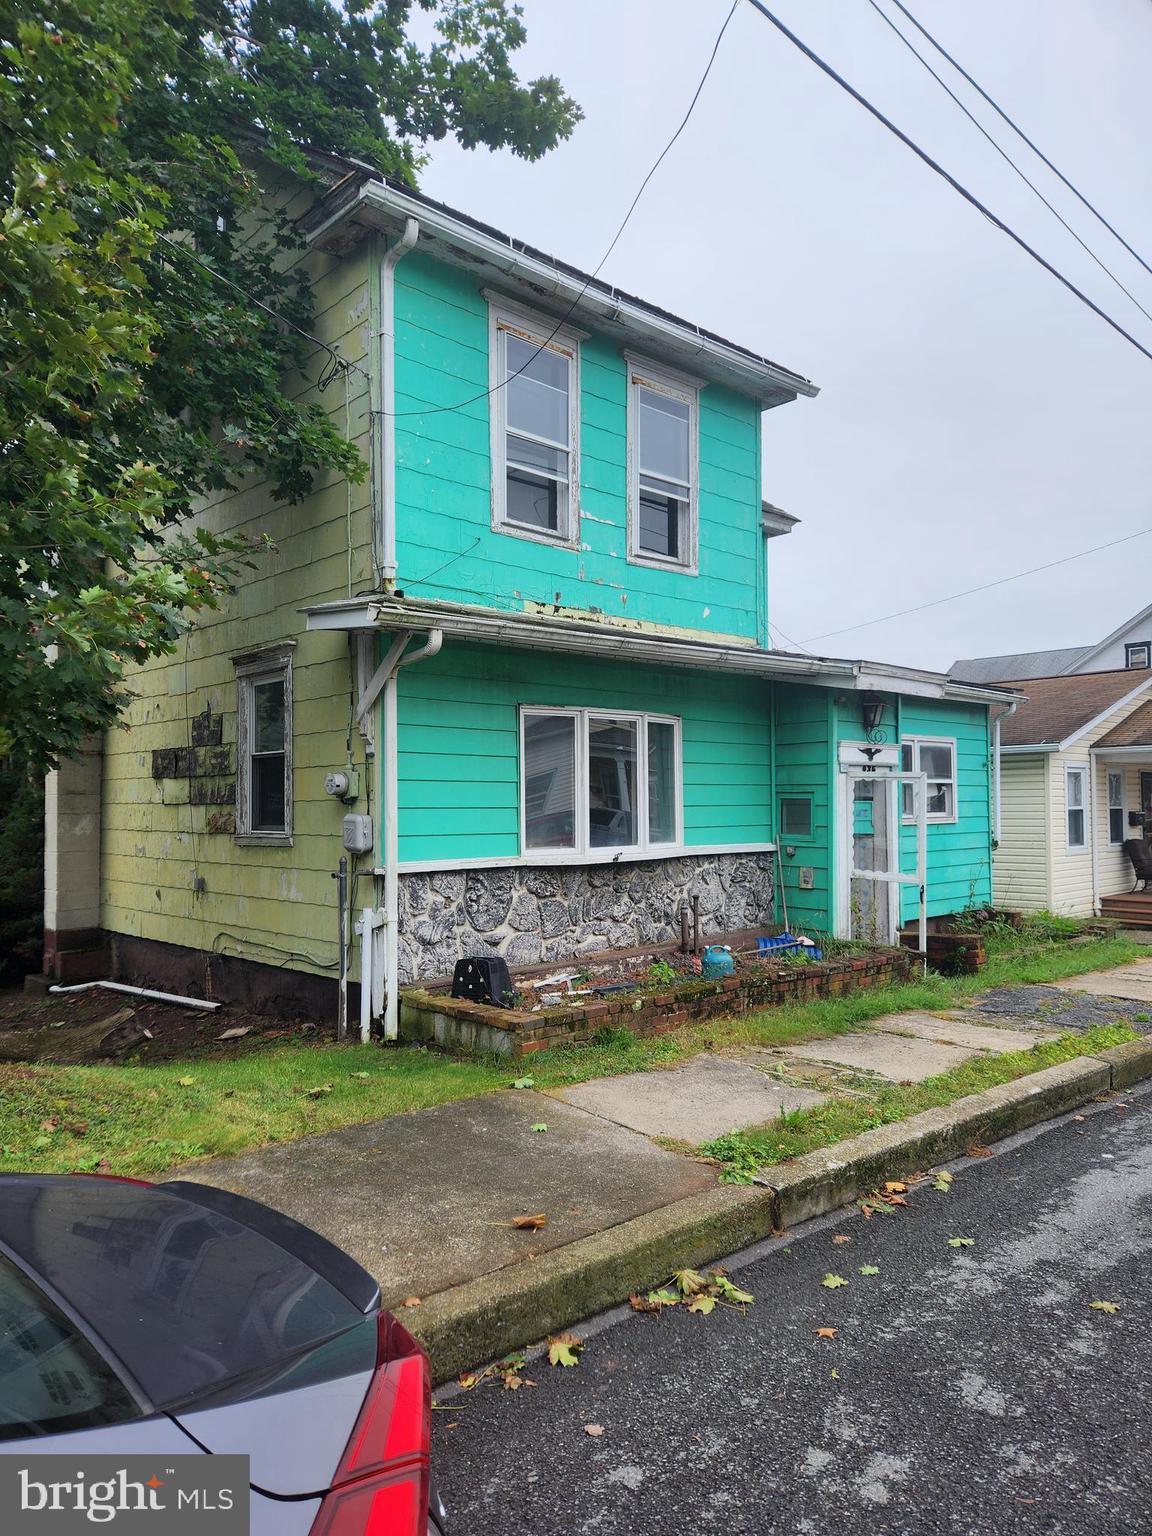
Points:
(51, 1377)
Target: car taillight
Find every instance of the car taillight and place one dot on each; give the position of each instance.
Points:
(381, 1484)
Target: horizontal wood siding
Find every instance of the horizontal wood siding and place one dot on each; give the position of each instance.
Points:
(804, 766)
(1071, 880)
(446, 546)
(459, 755)
(1020, 863)
(960, 852)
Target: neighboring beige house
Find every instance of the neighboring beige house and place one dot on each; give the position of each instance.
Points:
(1075, 784)
(1128, 646)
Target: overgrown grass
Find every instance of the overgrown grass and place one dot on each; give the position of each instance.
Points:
(144, 1119)
(742, 1153)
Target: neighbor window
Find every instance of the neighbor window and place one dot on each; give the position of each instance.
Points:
(595, 781)
(534, 429)
(264, 746)
(796, 816)
(1075, 802)
(1115, 808)
(937, 759)
(662, 428)
(1138, 655)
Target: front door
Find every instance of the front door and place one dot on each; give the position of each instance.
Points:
(870, 876)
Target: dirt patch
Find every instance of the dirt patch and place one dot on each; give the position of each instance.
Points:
(108, 1027)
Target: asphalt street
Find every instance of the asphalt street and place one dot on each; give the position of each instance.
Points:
(970, 1389)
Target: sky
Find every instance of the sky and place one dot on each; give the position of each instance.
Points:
(974, 418)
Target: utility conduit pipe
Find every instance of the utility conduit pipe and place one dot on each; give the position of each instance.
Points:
(157, 997)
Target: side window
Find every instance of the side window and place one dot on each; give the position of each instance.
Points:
(796, 816)
(663, 443)
(1139, 655)
(264, 747)
(535, 430)
(936, 758)
(1075, 801)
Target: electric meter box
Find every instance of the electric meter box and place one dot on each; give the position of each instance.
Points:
(358, 834)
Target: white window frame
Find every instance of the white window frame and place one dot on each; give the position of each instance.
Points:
(1115, 775)
(272, 664)
(583, 852)
(537, 330)
(643, 374)
(1138, 645)
(1080, 770)
(934, 818)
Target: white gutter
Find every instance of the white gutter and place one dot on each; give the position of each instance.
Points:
(996, 796)
(386, 520)
(158, 997)
(391, 811)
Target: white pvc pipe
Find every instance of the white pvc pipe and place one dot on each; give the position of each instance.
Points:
(392, 258)
(367, 944)
(159, 997)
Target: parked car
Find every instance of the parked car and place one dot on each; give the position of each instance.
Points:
(174, 1317)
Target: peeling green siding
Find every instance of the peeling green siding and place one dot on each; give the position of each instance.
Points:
(446, 546)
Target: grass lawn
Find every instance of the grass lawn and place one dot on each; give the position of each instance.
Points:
(146, 1119)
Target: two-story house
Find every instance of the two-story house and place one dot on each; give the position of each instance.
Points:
(528, 659)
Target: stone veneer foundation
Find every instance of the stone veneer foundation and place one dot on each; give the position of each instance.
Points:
(535, 914)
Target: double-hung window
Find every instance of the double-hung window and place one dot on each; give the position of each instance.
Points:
(1115, 808)
(935, 757)
(594, 781)
(264, 746)
(1075, 806)
(663, 432)
(535, 429)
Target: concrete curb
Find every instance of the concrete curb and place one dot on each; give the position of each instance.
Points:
(518, 1305)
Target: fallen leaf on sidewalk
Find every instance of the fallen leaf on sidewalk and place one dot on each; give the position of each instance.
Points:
(413, 1301)
(564, 1349)
(869, 1269)
(1111, 1307)
(647, 1303)
(825, 1333)
(894, 1187)
(961, 1242)
(833, 1282)
(664, 1297)
(595, 1430)
(943, 1182)
(979, 1150)
(689, 1281)
(540, 1127)
(530, 1223)
(702, 1304)
(841, 1237)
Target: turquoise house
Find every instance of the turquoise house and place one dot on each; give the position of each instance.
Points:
(582, 723)
(518, 678)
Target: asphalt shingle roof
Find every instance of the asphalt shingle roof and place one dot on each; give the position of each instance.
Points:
(1058, 707)
(1136, 731)
(1025, 664)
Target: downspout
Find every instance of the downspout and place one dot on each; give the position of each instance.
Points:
(1091, 815)
(391, 811)
(386, 522)
(996, 804)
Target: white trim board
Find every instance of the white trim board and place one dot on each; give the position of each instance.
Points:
(542, 861)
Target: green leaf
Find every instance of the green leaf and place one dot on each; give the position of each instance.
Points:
(1111, 1307)
(564, 1349)
(943, 1182)
(664, 1298)
(961, 1242)
(833, 1282)
(702, 1303)
(869, 1269)
(540, 1127)
(730, 1292)
(689, 1282)
(524, 1082)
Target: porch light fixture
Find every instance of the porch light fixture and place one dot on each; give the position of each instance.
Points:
(872, 715)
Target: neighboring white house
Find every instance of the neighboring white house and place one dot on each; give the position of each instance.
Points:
(1075, 783)
(1130, 646)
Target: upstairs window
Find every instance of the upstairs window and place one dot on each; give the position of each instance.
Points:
(1139, 655)
(595, 781)
(264, 747)
(662, 433)
(936, 758)
(535, 426)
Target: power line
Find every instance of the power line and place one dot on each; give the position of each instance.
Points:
(984, 587)
(934, 165)
(1016, 128)
(1003, 153)
(484, 394)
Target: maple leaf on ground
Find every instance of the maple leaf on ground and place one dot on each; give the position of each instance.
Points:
(702, 1303)
(977, 1149)
(961, 1242)
(689, 1281)
(894, 1187)
(530, 1223)
(564, 1349)
(540, 1127)
(640, 1303)
(1111, 1307)
(729, 1292)
(869, 1269)
(942, 1181)
(825, 1333)
(841, 1237)
(524, 1082)
(512, 1382)
(833, 1282)
(664, 1297)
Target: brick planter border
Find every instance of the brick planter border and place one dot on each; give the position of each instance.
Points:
(434, 1018)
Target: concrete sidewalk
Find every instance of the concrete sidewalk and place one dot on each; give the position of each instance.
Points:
(427, 1201)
